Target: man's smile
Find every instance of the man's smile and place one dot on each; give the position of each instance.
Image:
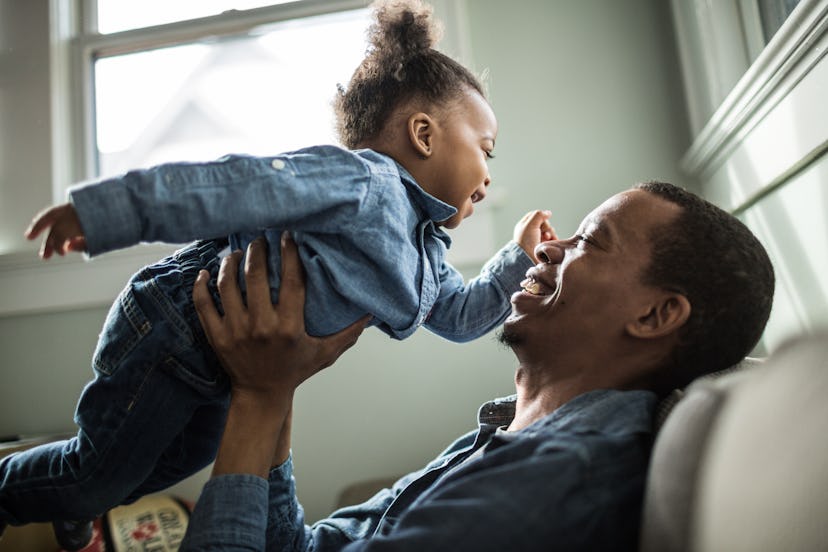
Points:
(535, 284)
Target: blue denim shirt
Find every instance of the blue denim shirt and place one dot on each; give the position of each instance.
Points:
(573, 480)
(368, 235)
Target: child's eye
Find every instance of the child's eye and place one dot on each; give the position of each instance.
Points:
(489, 155)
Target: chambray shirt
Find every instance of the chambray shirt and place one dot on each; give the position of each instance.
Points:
(367, 234)
(573, 480)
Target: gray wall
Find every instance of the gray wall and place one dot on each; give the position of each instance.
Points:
(588, 102)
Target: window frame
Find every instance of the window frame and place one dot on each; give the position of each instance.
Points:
(719, 116)
(77, 45)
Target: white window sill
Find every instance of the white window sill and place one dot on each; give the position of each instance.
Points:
(29, 285)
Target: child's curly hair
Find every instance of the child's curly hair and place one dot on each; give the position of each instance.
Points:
(400, 65)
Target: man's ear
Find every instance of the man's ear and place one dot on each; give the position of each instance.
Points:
(420, 133)
(662, 317)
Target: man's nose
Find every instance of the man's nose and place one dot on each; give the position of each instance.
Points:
(548, 252)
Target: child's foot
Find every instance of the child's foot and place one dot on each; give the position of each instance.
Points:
(72, 535)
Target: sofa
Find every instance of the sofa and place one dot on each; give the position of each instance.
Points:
(741, 460)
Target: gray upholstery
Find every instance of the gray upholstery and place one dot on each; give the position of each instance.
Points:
(688, 417)
(729, 447)
(763, 484)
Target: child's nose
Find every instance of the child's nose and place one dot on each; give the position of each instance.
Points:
(480, 193)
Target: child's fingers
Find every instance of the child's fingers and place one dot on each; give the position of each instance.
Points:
(46, 248)
(43, 220)
(548, 232)
(77, 244)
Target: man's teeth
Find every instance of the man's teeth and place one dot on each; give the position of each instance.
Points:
(531, 286)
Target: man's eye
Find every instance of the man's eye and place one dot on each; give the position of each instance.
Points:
(584, 238)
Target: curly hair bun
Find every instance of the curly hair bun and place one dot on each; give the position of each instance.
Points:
(402, 29)
(400, 64)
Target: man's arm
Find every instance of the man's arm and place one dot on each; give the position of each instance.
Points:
(267, 354)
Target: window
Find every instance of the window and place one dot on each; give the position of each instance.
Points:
(196, 82)
(153, 81)
(773, 14)
(117, 15)
(720, 41)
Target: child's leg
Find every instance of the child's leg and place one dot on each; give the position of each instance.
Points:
(151, 377)
(199, 440)
(115, 451)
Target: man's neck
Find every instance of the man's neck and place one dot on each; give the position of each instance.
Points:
(538, 395)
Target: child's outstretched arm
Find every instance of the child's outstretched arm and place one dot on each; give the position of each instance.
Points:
(532, 229)
(64, 230)
(467, 310)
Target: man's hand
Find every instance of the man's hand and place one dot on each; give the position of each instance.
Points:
(267, 354)
(533, 229)
(65, 232)
(264, 347)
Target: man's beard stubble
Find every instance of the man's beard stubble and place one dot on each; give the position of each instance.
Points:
(508, 337)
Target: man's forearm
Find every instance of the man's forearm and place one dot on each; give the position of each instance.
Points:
(255, 434)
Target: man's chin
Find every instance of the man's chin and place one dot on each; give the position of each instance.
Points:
(509, 337)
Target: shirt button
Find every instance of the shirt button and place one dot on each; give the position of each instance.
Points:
(277, 164)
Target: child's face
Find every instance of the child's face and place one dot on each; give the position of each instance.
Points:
(459, 171)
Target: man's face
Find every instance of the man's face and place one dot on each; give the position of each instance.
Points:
(586, 288)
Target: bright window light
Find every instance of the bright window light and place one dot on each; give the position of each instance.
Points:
(256, 94)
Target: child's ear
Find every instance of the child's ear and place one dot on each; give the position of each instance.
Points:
(663, 316)
(420, 133)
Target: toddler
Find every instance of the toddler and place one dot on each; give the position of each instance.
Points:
(369, 224)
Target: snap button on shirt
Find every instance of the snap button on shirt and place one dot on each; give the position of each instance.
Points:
(277, 164)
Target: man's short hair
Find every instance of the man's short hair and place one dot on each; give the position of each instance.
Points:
(715, 261)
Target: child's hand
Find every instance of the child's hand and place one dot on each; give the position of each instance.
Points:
(65, 233)
(533, 229)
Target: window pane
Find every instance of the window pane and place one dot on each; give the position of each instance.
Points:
(253, 94)
(122, 15)
(774, 13)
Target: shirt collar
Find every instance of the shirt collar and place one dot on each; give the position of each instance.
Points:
(433, 208)
(600, 409)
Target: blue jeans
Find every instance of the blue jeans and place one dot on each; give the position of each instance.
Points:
(153, 415)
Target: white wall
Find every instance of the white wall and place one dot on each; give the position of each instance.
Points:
(25, 142)
(589, 101)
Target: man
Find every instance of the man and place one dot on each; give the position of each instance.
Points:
(656, 288)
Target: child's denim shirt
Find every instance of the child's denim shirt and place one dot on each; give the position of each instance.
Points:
(367, 234)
